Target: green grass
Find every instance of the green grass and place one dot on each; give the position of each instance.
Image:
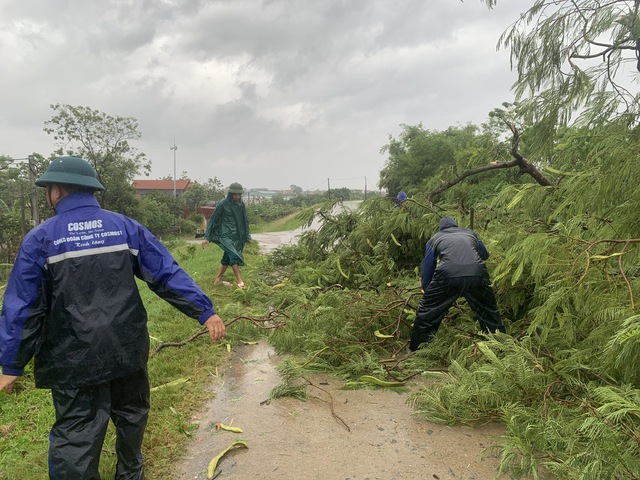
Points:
(285, 224)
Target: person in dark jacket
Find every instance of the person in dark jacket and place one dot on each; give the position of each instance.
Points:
(72, 304)
(459, 256)
(228, 228)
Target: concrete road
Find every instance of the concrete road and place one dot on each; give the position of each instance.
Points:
(270, 241)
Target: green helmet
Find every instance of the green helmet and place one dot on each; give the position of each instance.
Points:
(236, 188)
(70, 171)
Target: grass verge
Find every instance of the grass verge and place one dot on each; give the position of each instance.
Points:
(284, 224)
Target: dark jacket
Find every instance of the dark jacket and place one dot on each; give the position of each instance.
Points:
(72, 301)
(228, 227)
(457, 252)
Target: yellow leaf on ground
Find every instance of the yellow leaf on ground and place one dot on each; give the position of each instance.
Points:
(380, 383)
(179, 381)
(381, 335)
(214, 461)
(228, 428)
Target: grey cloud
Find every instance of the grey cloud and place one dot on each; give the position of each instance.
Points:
(218, 76)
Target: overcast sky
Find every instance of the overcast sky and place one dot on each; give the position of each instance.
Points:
(268, 93)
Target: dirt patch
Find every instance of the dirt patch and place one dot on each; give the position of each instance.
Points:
(336, 434)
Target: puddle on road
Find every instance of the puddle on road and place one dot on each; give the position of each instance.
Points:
(335, 434)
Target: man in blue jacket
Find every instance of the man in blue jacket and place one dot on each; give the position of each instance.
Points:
(460, 272)
(72, 304)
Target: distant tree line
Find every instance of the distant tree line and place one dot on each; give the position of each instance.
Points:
(106, 142)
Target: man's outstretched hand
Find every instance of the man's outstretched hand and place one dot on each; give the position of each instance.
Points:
(7, 382)
(216, 327)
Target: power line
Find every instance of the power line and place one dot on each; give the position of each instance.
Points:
(174, 148)
(316, 187)
(338, 180)
(345, 179)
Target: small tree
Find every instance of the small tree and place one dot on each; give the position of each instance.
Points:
(199, 194)
(14, 188)
(157, 215)
(418, 153)
(103, 140)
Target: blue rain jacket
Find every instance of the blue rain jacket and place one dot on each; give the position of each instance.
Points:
(72, 301)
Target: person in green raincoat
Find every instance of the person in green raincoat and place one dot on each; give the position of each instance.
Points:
(228, 228)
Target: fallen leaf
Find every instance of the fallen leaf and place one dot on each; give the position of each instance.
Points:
(171, 384)
(381, 335)
(229, 428)
(214, 461)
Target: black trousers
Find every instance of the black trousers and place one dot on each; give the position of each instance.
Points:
(441, 294)
(82, 417)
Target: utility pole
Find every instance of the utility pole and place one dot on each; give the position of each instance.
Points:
(329, 189)
(23, 223)
(35, 213)
(174, 148)
(365, 188)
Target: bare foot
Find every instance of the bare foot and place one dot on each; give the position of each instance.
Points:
(241, 285)
(221, 282)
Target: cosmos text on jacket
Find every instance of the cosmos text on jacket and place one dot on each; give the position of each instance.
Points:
(89, 225)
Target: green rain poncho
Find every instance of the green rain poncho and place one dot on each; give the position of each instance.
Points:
(228, 227)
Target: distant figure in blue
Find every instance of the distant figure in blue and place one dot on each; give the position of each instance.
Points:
(401, 197)
(460, 272)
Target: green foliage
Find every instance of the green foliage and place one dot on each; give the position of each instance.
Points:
(567, 271)
(367, 247)
(623, 349)
(338, 339)
(484, 379)
(421, 162)
(15, 208)
(564, 266)
(25, 420)
(199, 194)
(572, 56)
(340, 194)
(306, 200)
(293, 385)
(418, 154)
(155, 214)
